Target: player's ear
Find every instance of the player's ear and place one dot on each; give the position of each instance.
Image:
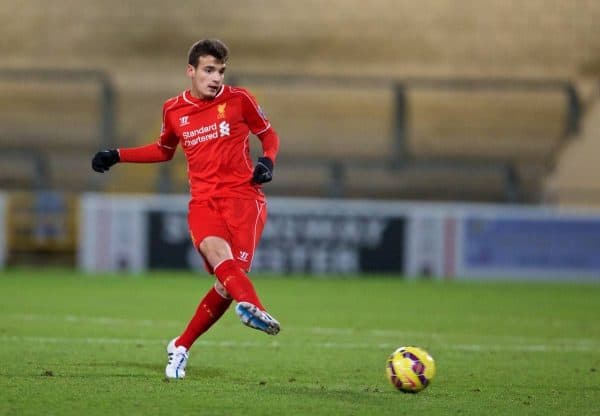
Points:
(190, 71)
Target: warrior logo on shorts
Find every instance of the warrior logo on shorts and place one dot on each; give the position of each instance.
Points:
(243, 255)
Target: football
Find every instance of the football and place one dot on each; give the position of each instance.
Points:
(410, 369)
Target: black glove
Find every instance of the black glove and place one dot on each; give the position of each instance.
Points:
(103, 160)
(263, 171)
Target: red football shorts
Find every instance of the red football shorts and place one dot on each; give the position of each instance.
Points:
(240, 222)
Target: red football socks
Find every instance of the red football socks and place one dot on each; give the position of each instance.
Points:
(237, 284)
(210, 309)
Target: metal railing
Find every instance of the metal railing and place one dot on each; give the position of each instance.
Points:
(400, 158)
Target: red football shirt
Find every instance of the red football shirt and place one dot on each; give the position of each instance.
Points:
(214, 134)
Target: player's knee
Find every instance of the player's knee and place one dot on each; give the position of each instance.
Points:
(215, 249)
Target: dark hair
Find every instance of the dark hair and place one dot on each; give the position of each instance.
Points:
(212, 47)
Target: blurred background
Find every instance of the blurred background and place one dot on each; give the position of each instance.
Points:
(434, 101)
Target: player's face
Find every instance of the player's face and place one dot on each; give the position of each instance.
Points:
(207, 78)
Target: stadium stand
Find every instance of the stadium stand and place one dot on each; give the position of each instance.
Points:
(141, 49)
(42, 226)
(49, 120)
(347, 87)
(575, 179)
(335, 78)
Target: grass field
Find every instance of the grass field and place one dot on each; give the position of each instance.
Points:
(94, 345)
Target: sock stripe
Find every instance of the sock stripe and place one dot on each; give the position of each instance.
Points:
(220, 263)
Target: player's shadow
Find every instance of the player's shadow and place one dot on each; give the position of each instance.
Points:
(341, 393)
(141, 370)
(111, 369)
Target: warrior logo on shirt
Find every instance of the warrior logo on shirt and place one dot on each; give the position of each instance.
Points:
(184, 121)
(221, 110)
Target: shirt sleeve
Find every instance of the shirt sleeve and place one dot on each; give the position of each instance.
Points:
(168, 139)
(160, 151)
(253, 114)
(270, 143)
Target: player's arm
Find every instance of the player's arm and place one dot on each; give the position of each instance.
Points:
(261, 127)
(263, 171)
(151, 153)
(160, 151)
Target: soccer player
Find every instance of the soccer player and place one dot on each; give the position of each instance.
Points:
(227, 209)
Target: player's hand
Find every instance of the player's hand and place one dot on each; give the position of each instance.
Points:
(263, 171)
(103, 160)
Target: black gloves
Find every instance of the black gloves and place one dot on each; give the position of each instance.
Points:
(103, 160)
(263, 171)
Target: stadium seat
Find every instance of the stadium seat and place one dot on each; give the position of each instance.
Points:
(330, 124)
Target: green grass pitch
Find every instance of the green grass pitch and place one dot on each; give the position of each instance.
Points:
(72, 344)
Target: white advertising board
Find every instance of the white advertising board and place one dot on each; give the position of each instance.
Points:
(319, 236)
(302, 236)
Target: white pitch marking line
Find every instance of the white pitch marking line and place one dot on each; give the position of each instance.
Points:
(585, 343)
(99, 320)
(276, 344)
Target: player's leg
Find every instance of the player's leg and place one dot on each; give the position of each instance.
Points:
(210, 231)
(212, 224)
(218, 253)
(202, 218)
(211, 308)
(245, 221)
(249, 307)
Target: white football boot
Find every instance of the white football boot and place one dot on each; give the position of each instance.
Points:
(253, 317)
(177, 360)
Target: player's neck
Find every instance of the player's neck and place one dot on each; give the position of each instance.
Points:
(196, 95)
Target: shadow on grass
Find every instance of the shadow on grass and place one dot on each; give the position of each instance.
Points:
(129, 370)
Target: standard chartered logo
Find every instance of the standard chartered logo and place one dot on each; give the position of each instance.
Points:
(205, 133)
(224, 128)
